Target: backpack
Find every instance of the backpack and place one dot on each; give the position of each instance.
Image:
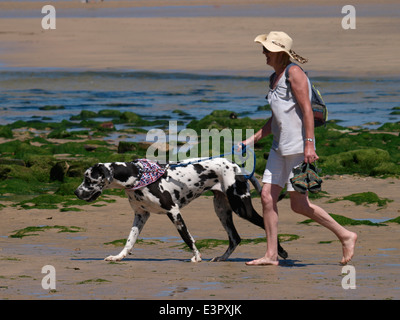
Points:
(318, 105)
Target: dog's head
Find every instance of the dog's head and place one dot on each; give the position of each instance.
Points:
(95, 179)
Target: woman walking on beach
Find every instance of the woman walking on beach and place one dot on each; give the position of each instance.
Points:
(292, 126)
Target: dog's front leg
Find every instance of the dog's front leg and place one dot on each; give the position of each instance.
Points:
(138, 223)
(176, 218)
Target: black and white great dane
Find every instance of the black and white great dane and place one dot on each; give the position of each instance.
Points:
(176, 188)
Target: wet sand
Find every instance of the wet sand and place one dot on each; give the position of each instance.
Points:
(160, 269)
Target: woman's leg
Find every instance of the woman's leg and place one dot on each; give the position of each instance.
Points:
(301, 204)
(269, 198)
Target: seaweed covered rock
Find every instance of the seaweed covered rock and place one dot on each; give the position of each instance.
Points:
(58, 171)
(78, 168)
(221, 119)
(139, 148)
(40, 166)
(84, 114)
(125, 146)
(130, 117)
(390, 126)
(371, 161)
(6, 132)
(21, 149)
(59, 134)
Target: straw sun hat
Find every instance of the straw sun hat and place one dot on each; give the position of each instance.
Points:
(277, 41)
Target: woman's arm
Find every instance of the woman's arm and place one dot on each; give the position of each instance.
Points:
(264, 131)
(299, 85)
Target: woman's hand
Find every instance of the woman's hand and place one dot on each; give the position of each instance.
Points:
(310, 155)
(240, 146)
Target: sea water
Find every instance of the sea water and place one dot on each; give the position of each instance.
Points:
(366, 102)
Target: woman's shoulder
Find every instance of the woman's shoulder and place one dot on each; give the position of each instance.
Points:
(294, 69)
(295, 72)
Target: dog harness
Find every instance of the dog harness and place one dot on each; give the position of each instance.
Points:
(149, 172)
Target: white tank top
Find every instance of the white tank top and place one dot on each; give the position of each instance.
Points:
(287, 122)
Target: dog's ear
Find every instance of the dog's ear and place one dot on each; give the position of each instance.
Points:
(103, 171)
(107, 174)
(136, 167)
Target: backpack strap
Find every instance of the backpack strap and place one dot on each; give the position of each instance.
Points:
(273, 76)
(287, 73)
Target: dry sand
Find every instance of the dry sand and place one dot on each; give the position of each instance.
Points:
(200, 44)
(163, 271)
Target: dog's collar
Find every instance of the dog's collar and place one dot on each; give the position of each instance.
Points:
(149, 172)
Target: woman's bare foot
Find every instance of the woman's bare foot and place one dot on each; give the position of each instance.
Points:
(264, 261)
(348, 248)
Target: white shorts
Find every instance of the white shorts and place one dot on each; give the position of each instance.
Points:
(279, 168)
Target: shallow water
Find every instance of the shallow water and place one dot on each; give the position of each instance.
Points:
(353, 101)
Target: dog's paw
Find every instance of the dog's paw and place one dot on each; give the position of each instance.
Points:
(217, 259)
(113, 258)
(196, 258)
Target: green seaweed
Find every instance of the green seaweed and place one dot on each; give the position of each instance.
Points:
(23, 187)
(29, 231)
(222, 119)
(126, 117)
(60, 134)
(68, 187)
(37, 166)
(266, 107)
(117, 243)
(395, 220)
(180, 112)
(43, 201)
(51, 107)
(341, 150)
(122, 242)
(55, 201)
(344, 221)
(364, 198)
(97, 280)
(21, 149)
(370, 161)
(84, 114)
(6, 132)
(390, 126)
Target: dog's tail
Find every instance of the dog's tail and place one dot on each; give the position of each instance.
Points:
(257, 186)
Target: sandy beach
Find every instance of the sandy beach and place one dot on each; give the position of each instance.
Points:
(160, 269)
(219, 44)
